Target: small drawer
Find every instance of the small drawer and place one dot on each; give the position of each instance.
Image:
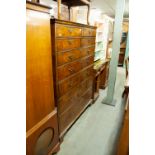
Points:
(67, 44)
(87, 51)
(89, 32)
(67, 31)
(87, 61)
(87, 42)
(69, 69)
(69, 56)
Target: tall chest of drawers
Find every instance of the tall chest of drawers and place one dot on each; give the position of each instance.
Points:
(73, 56)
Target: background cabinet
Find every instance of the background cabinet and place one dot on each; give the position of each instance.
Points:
(41, 113)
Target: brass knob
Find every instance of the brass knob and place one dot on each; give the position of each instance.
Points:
(70, 70)
(70, 57)
(70, 42)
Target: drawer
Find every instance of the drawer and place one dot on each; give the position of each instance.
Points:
(67, 100)
(73, 95)
(86, 97)
(69, 69)
(69, 56)
(87, 41)
(66, 118)
(70, 115)
(68, 31)
(67, 44)
(89, 32)
(68, 84)
(87, 61)
(90, 72)
(84, 86)
(87, 51)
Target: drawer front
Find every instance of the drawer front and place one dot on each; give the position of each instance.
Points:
(85, 85)
(67, 118)
(69, 56)
(87, 41)
(73, 96)
(88, 72)
(67, 44)
(67, 31)
(86, 97)
(89, 32)
(67, 100)
(87, 51)
(69, 69)
(87, 61)
(70, 83)
(70, 115)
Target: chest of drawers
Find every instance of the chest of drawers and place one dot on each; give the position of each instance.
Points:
(73, 56)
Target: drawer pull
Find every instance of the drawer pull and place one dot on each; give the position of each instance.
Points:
(70, 30)
(88, 74)
(70, 42)
(71, 70)
(70, 57)
(70, 84)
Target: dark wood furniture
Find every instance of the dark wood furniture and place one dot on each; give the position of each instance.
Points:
(104, 75)
(123, 143)
(73, 56)
(123, 44)
(41, 113)
(101, 73)
(73, 3)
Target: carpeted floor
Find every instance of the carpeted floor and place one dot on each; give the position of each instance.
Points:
(96, 131)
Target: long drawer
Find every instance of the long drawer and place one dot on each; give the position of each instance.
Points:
(73, 95)
(67, 44)
(69, 56)
(69, 83)
(69, 69)
(68, 31)
(70, 115)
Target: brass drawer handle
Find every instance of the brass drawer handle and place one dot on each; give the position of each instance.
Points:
(88, 52)
(70, 30)
(70, 42)
(70, 57)
(70, 84)
(71, 70)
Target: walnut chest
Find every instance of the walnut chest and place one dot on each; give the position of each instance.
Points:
(73, 47)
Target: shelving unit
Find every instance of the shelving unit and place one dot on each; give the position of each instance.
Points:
(123, 44)
(99, 48)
